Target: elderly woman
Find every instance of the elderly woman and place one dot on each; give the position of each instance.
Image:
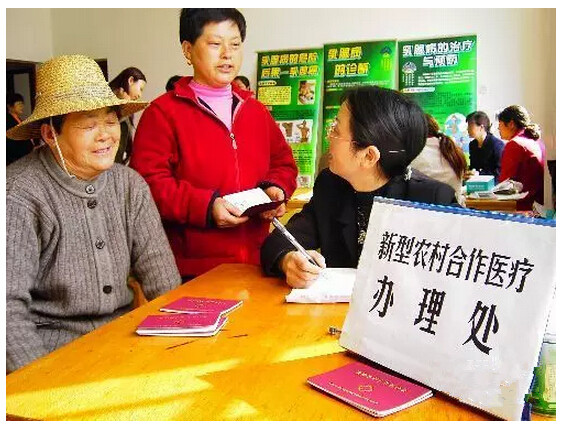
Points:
(207, 138)
(127, 85)
(76, 223)
(523, 158)
(377, 133)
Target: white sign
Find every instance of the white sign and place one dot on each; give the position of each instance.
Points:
(454, 298)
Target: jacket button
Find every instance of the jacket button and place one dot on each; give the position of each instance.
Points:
(90, 189)
(99, 243)
(107, 289)
(91, 203)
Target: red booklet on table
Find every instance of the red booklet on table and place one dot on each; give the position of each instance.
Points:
(197, 324)
(201, 304)
(370, 390)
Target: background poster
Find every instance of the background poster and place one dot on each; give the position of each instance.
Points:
(351, 64)
(289, 84)
(441, 74)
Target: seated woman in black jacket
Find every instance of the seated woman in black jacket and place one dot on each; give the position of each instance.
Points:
(376, 134)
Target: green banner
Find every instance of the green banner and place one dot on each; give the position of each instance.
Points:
(289, 83)
(351, 64)
(441, 74)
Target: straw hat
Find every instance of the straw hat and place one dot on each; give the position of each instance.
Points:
(67, 84)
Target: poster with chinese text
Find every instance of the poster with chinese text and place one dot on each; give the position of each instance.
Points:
(441, 74)
(351, 64)
(454, 298)
(289, 84)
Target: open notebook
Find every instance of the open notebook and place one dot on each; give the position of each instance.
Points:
(334, 285)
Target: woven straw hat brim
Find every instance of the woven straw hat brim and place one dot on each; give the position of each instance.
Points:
(45, 108)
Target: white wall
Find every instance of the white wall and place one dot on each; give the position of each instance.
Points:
(21, 86)
(29, 34)
(143, 38)
(516, 47)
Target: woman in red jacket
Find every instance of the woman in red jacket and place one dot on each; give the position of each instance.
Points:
(523, 158)
(208, 138)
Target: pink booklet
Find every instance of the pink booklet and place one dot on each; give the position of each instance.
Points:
(370, 390)
(201, 304)
(197, 324)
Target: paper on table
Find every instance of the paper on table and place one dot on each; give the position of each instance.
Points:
(490, 195)
(335, 285)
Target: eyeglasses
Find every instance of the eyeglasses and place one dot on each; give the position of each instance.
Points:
(332, 133)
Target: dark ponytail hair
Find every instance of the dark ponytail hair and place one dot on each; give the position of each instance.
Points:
(452, 153)
(521, 119)
(121, 80)
(391, 122)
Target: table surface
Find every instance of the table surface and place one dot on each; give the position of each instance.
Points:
(254, 369)
(491, 204)
(295, 203)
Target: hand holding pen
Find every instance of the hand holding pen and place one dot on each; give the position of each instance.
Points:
(301, 267)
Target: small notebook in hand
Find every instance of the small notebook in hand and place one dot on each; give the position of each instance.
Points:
(197, 324)
(251, 202)
(191, 305)
(370, 390)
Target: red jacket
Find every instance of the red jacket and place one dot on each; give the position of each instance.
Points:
(523, 160)
(187, 156)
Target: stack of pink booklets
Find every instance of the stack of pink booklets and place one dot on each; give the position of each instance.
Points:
(370, 390)
(189, 316)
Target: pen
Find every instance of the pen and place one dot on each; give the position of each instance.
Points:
(293, 241)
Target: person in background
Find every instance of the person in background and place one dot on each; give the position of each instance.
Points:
(128, 85)
(208, 138)
(485, 150)
(76, 222)
(442, 159)
(376, 134)
(523, 158)
(171, 82)
(14, 112)
(242, 82)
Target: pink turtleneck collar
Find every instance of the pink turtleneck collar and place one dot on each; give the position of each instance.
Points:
(218, 99)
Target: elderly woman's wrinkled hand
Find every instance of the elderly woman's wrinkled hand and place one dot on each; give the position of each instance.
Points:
(300, 273)
(225, 214)
(276, 194)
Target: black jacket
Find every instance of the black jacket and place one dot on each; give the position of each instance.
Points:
(329, 221)
(486, 160)
(15, 149)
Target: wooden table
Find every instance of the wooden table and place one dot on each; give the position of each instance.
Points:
(294, 204)
(254, 369)
(491, 204)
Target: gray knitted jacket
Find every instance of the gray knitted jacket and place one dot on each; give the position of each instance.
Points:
(70, 245)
